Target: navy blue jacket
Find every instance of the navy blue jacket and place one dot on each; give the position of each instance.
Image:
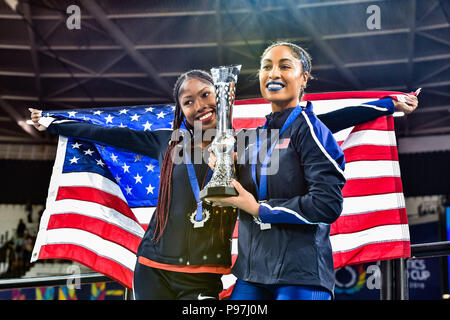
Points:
(303, 198)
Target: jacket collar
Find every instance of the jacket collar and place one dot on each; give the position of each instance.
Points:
(276, 120)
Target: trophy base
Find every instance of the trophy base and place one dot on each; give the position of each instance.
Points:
(218, 192)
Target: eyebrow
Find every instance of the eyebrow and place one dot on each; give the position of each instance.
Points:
(281, 60)
(190, 96)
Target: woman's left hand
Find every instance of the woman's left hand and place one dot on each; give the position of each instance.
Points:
(409, 106)
(245, 200)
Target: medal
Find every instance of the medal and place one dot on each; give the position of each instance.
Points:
(198, 224)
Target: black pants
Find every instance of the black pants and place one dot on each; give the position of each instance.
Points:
(158, 284)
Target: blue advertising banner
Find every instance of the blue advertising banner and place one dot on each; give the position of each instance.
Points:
(91, 291)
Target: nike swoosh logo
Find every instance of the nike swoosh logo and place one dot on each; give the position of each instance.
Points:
(202, 297)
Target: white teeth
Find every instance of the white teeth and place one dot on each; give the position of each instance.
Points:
(205, 116)
(274, 86)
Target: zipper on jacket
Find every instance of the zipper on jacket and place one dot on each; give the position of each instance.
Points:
(247, 275)
(188, 237)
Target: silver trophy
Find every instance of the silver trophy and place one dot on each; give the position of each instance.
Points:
(225, 79)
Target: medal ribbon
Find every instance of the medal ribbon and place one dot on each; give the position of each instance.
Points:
(194, 184)
(262, 187)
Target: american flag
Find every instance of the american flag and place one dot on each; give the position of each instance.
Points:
(101, 199)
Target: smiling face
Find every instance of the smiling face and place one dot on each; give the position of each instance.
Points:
(281, 78)
(198, 102)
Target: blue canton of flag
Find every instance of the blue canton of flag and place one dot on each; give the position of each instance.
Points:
(137, 175)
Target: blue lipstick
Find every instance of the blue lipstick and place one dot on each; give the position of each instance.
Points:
(274, 86)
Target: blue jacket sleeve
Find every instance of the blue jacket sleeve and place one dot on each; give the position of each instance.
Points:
(351, 116)
(323, 162)
(142, 142)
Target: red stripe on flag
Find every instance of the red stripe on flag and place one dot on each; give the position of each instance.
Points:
(236, 228)
(251, 101)
(225, 294)
(98, 227)
(95, 195)
(240, 123)
(382, 124)
(363, 221)
(372, 186)
(331, 96)
(90, 259)
(370, 152)
(349, 95)
(373, 252)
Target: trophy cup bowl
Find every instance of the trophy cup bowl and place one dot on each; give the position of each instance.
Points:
(225, 79)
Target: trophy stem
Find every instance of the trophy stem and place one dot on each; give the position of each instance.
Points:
(225, 79)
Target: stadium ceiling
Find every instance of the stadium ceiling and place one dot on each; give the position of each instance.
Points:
(131, 52)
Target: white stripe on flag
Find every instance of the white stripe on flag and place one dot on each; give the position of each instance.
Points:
(369, 137)
(92, 242)
(89, 179)
(372, 203)
(251, 111)
(371, 169)
(98, 211)
(325, 106)
(234, 246)
(228, 280)
(143, 214)
(387, 233)
(340, 136)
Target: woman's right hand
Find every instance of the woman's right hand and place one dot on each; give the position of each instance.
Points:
(212, 159)
(36, 115)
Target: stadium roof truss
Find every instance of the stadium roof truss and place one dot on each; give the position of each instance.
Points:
(131, 52)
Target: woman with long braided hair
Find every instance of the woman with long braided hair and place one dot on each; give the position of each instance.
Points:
(177, 258)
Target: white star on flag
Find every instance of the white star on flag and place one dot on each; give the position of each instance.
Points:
(125, 168)
(161, 115)
(138, 178)
(98, 112)
(109, 118)
(72, 114)
(128, 189)
(135, 117)
(100, 162)
(150, 189)
(74, 160)
(88, 152)
(76, 145)
(150, 167)
(147, 126)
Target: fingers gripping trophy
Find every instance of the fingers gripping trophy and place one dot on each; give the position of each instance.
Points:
(225, 79)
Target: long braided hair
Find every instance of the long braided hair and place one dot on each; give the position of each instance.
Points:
(165, 184)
